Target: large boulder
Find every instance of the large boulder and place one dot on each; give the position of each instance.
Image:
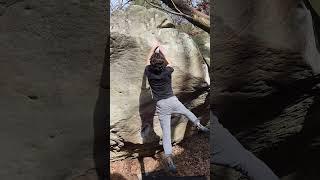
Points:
(265, 59)
(134, 127)
(51, 56)
(202, 39)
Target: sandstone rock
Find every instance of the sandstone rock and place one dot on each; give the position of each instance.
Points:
(202, 39)
(263, 82)
(51, 57)
(133, 122)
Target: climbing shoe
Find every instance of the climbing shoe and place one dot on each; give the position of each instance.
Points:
(172, 168)
(200, 127)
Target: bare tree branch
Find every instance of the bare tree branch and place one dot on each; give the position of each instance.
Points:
(176, 7)
(194, 16)
(172, 12)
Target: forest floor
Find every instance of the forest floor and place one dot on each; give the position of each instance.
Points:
(191, 156)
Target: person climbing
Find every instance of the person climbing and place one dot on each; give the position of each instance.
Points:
(227, 151)
(158, 71)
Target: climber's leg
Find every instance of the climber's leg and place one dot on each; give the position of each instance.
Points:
(166, 133)
(181, 109)
(164, 110)
(227, 151)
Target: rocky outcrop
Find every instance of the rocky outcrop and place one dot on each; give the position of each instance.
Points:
(264, 85)
(51, 56)
(134, 127)
(202, 39)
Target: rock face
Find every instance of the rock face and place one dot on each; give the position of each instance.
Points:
(51, 57)
(134, 127)
(202, 39)
(264, 58)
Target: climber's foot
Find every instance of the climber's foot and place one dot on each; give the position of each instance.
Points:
(171, 166)
(201, 128)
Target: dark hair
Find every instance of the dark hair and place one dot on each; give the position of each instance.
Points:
(158, 62)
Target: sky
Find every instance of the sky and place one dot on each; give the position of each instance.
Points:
(114, 2)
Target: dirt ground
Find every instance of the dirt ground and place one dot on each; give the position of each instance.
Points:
(191, 157)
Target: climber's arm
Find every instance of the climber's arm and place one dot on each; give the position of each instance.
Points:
(166, 57)
(156, 44)
(169, 61)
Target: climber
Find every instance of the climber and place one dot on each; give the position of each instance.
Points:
(227, 151)
(158, 71)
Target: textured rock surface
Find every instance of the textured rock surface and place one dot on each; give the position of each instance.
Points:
(51, 57)
(264, 56)
(202, 39)
(134, 128)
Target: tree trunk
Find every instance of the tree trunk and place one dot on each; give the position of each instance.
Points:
(196, 17)
(201, 20)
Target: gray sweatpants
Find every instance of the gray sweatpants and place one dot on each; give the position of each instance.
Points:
(166, 107)
(227, 151)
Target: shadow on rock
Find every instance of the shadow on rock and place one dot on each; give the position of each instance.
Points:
(147, 109)
(100, 118)
(298, 156)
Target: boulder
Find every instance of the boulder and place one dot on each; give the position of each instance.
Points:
(51, 56)
(202, 39)
(134, 125)
(265, 88)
